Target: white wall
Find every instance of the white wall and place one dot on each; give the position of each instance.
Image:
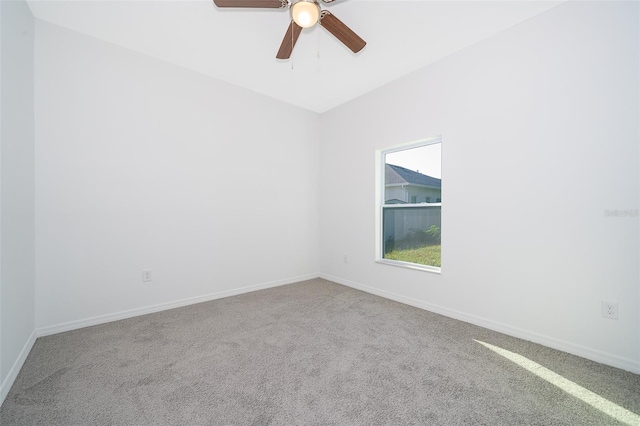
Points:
(144, 165)
(17, 243)
(545, 117)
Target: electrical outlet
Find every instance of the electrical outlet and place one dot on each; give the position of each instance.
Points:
(610, 310)
(345, 259)
(146, 275)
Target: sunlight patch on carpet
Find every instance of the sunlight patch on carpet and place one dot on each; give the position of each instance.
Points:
(614, 410)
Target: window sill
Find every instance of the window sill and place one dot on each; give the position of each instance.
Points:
(407, 265)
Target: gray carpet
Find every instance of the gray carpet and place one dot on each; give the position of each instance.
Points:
(308, 353)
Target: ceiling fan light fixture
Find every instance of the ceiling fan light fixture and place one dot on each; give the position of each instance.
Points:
(305, 13)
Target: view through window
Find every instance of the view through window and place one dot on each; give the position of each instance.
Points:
(411, 209)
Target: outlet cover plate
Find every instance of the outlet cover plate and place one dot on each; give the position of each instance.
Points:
(146, 275)
(610, 309)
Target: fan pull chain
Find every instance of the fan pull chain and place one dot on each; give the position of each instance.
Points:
(318, 55)
(291, 26)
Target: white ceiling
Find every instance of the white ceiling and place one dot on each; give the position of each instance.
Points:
(239, 45)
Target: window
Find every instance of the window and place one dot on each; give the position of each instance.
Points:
(409, 231)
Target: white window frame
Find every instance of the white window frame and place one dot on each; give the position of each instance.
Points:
(380, 206)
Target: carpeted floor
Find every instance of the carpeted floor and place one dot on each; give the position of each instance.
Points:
(308, 353)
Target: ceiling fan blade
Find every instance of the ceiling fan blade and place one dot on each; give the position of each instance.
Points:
(289, 40)
(342, 32)
(269, 4)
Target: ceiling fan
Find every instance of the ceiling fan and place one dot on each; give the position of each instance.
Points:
(304, 14)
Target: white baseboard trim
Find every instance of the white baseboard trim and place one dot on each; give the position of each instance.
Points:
(582, 351)
(15, 369)
(101, 319)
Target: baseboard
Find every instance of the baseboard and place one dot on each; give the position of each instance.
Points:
(15, 369)
(582, 351)
(101, 319)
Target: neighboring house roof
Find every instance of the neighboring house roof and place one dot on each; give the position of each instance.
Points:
(395, 201)
(399, 175)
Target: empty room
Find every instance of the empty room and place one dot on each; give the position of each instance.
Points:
(349, 212)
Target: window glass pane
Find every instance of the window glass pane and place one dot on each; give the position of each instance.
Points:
(413, 175)
(412, 234)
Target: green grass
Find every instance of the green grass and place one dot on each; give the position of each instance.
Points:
(427, 255)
